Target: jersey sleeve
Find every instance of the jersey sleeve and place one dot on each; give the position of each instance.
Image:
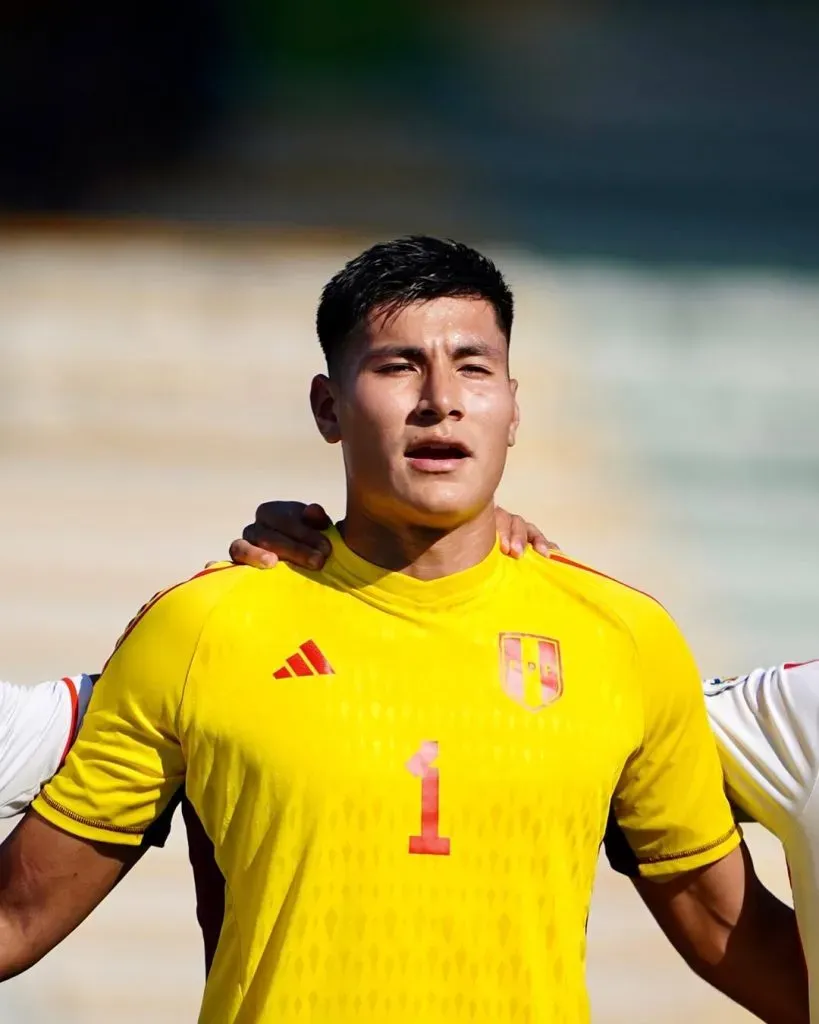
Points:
(127, 762)
(37, 726)
(767, 729)
(670, 803)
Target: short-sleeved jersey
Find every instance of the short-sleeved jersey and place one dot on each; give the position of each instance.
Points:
(406, 783)
(767, 729)
(37, 726)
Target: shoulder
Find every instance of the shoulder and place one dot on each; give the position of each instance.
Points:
(198, 594)
(633, 608)
(224, 594)
(182, 609)
(201, 591)
(767, 729)
(24, 707)
(771, 698)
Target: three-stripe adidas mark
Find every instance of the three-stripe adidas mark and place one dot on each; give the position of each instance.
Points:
(307, 661)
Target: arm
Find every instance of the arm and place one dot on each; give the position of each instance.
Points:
(669, 802)
(49, 882)
(736, 935)
(124, 768)
(673, 815)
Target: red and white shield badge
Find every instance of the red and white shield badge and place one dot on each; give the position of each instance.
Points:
(530, 669)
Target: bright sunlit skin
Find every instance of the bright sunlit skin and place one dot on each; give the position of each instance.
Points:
(425, 410)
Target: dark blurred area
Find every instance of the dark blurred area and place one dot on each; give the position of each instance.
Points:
(680, 131)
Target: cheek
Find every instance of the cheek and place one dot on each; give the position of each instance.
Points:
(383, 405)
(495, 412)
(372, 424)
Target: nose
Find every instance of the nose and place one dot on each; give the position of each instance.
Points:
(440, 396)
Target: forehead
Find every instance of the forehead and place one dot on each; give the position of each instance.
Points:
(445, 321)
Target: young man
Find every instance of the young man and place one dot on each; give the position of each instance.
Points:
(405, 760)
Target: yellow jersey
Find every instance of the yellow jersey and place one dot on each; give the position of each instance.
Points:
(406, 783)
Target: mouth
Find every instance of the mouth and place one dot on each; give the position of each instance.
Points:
(437, 456)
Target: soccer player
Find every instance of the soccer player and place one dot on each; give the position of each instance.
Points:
(405, 760)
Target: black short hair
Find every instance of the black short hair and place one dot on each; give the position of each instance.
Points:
(391, 275)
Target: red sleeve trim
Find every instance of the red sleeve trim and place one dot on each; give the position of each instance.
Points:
(556, 557)
(143, 611)
(75, 714)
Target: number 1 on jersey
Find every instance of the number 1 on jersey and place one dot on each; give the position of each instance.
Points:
(421, 765)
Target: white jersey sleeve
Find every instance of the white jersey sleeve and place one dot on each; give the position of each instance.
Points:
(37, 726)
(767, 729)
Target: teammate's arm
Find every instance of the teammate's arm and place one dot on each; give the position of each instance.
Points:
(679, 832)
(767, 729)
(290, 531)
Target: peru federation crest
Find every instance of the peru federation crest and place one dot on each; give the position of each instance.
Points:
(530, 669)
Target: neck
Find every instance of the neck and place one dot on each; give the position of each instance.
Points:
(423, 552)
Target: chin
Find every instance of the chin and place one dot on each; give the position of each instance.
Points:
(443, 504)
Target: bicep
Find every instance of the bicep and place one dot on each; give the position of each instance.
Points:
(735, 934)
(669, 800)
(127, 761)
(698, 909)
(49, 882)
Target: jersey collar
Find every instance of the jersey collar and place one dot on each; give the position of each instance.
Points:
(384, 587)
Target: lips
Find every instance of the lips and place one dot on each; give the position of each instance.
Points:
(437, 456)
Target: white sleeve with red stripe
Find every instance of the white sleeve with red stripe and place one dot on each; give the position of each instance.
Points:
(767, 729)
(37, 726)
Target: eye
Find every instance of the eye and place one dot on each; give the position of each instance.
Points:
(394, 369)
(476, 370)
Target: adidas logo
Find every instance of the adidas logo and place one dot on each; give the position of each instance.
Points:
(307, 661)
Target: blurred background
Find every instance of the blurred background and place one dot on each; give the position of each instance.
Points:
(177, 182)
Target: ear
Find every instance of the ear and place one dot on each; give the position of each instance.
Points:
(513, 426)
(323, 399)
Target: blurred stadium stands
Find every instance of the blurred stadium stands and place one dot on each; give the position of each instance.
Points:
(649, 177)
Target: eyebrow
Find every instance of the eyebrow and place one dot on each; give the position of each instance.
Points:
(475, 348)
(416, 354)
